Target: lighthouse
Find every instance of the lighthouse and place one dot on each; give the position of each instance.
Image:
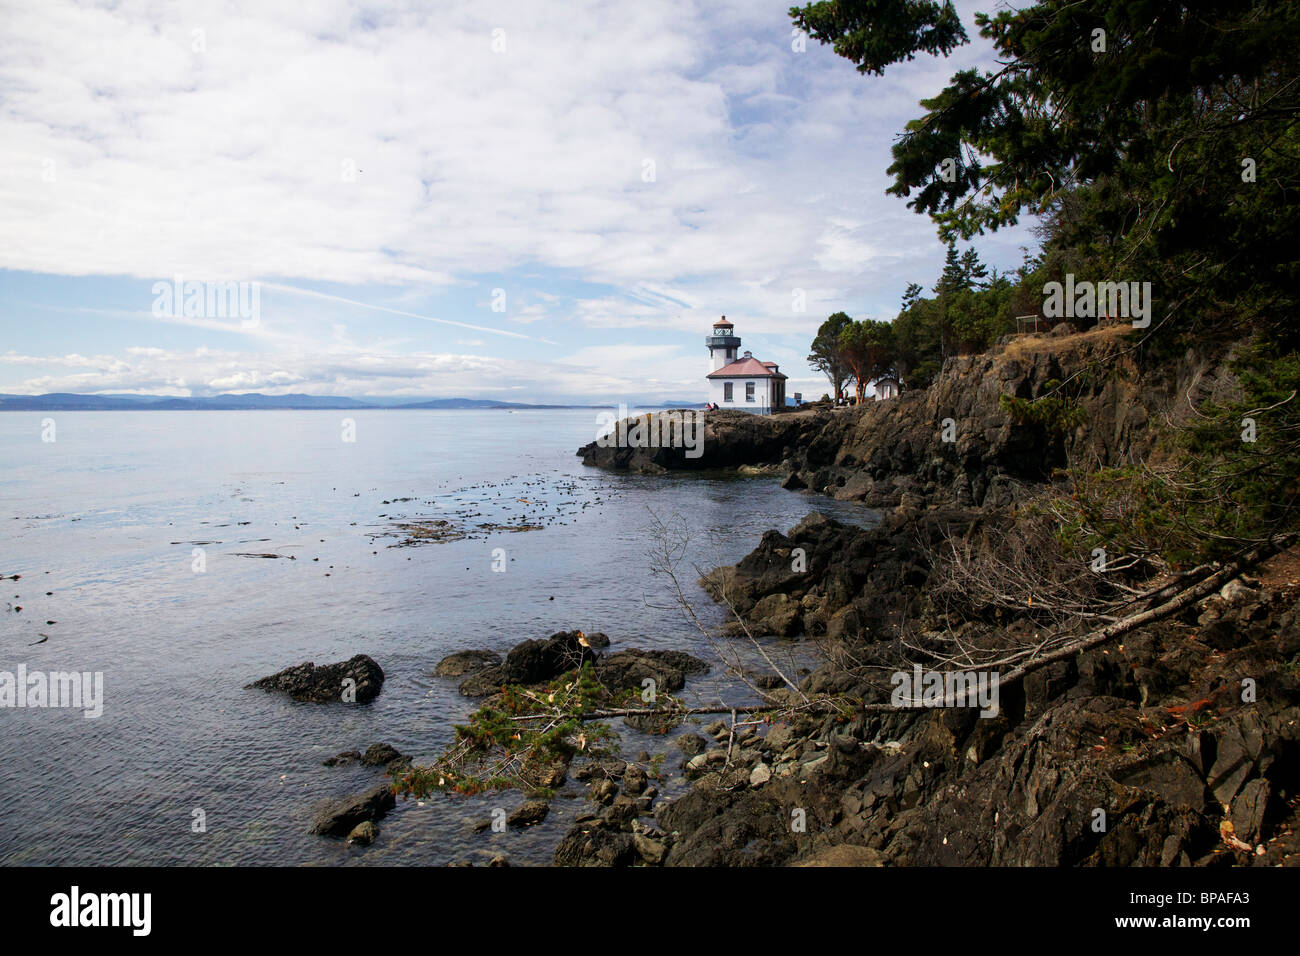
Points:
(723, 345)
(741, 382)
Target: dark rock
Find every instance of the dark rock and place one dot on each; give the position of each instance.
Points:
(721, 828)
(343, 759)
(595, 846)
(338, 817)
(1166, 773)
(1237, 747)
(668, 669)
(1250, 809)
(464, 663)
(364, 833)
(380, 755)
(329, 682)
(532, 662)
(596, 769)
(691, 744)
(634, 779)
(621, 812)
(482, 683)
(731, 439)
(533, 811)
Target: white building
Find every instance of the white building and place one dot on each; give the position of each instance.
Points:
(741, 382)
(886, 387)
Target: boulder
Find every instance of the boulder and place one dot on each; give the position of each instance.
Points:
(533, 811)
(483, 683)
(383, 755)
(595, 846)
(627, 669)
(464, 663)
(635, 779)
(691, 744)
(343, 759)
(360, 676)
(603, 790)
(339, 817)
(363, 833)
(532, 662)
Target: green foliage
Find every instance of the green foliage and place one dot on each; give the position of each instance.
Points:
(1164, 150)
(869, 350)
(1218, 491)
(917, 334)
(876, 33)
(826, 355)
(496, 749)
(1053, 411)
(971, 310)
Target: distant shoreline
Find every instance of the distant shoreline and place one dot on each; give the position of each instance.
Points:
(59, 402)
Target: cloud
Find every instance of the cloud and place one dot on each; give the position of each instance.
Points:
(292, 290)
(594, 375)
(639, 166)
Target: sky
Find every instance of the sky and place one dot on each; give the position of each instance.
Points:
(483, 200)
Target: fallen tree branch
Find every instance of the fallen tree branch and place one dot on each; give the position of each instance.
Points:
(1186, 598)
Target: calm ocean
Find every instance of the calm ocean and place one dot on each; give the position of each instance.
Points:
(137, 524)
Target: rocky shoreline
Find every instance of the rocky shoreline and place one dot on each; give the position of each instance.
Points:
(1176, 745)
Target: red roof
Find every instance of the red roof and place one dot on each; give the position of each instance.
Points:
(746, 368)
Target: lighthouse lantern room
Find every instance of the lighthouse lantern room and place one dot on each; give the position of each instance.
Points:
(723, 345)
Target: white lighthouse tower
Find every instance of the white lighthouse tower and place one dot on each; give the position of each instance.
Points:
(723, 345)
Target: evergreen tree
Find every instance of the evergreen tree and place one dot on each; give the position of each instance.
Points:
(911, 294)
(972, 269)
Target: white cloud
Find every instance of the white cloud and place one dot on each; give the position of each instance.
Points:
(331, 142)
(595, 374)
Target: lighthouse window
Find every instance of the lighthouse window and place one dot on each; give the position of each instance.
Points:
(749, 391)
(726, 391)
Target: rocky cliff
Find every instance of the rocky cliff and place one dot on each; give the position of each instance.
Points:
(730, 439)
(955, 442)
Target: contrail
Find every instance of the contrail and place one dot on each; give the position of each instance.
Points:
(410, 315)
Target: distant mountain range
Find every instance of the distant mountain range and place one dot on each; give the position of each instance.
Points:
(69, 402)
